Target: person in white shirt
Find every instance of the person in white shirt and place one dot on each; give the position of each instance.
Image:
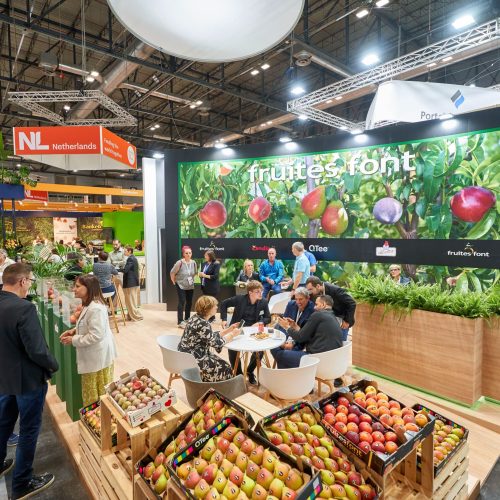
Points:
(4, 263)
(93, 340)
(117, 256)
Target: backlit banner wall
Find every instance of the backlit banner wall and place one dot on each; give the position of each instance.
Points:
(430, 202)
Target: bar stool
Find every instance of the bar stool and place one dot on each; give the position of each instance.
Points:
(108, 296)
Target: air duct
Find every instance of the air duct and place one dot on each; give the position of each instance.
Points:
(160, 95)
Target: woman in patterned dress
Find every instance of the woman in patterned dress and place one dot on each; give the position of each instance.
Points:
(198, 338)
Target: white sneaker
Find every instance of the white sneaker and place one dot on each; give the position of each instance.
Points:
(182, 325)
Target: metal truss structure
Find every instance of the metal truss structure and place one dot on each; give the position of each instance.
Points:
(485, 36)
(31, 100)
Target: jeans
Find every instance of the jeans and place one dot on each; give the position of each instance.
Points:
(108, 289)
(251, 365)
(28, 407)
(268, 287)
(185, 301)
(288, 358)
(345, 333)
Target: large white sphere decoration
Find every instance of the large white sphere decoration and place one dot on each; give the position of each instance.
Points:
(209, 30)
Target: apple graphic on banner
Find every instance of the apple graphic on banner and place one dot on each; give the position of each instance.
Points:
(388, 210)
(471, 203)
(213, 214)
(259, 209)
(335, 219)
(314, 203)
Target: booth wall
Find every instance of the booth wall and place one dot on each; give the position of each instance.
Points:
(127, 226)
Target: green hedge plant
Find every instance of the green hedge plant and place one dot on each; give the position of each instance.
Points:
(404, 299)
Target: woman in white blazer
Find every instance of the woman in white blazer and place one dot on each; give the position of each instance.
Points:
(93, 339)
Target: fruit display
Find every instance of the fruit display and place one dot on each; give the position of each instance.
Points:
(335, 219)
(236, 464)
(213, 408)
(388, 210)
(447, 436)
(359, 427)
(213, 214)
(138, 396)
(299, 434)
(314, 203)
(471, 203)
(91, 416)
(259, 209)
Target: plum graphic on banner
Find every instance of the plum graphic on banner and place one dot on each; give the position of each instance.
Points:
(400, 101)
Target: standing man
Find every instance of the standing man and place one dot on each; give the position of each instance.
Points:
(344, 305)
(131, 285)
(117, 256)
(271, 273)
(312, 260)
(252, 309)
(320, 333)
(4, 263)
(25, 366)
(302, 267)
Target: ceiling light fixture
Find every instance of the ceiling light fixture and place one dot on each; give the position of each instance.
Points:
(297, 90)
(446, 59)
(158, 156)
(94, 73)
(90, 78)
(446, 116)
(381, 3)
(463, 21)
(362, 13)
(220, 145)
(343, 127)
(285, 139)
(122, 175)
(450, 124)
(339, 98)
(18, 164)
(265, 66)
(328, 101)
(269, 122)
(431, 65)
(370, 59)
(199, 103)
(192, 106)
(152, 128)
(356, 131)
(66, 107)
(254, 72)
(303, 117)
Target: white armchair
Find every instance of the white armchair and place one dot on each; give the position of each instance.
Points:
(173, 360)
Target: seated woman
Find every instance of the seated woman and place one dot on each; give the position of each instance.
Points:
(103, 270)
(248, 273)
(198, 338)
(396, 276)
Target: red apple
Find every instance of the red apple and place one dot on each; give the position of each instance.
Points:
(314, 203)
(335, 219)
(471, 203)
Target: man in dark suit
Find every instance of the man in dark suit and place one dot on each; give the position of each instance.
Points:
(299, 310)
(252, 309)
(344, 305)
(131, 284)
(25, 366)
(321, 333)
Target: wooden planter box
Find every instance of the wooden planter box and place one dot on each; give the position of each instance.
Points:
(491, 359)
(438, 353)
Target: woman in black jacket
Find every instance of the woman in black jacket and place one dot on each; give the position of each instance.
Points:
(131, 285)
(209, 275)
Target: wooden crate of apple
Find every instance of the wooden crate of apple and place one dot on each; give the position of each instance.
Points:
(213, 405)
(91, 416)
(300, 435)
(137, 393)
(447, 436)
(391, 413)
(236, 464)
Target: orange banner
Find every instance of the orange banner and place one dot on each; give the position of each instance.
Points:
(57, 140)
(117, 148)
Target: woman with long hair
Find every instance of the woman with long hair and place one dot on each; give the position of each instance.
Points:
(93, 340)
(248, 273)
(182, 276)
(198, 338)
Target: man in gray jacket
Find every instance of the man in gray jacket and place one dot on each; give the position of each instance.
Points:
(320, 333)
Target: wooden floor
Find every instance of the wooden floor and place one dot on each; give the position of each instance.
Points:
(137, 348)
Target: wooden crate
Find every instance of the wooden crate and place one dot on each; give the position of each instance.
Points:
(132, 443)
(116, 480)
(451, 481)
(256, 406)
(141, 490)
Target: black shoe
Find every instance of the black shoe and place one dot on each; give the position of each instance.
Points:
(251, 379)
(37, 484)
(7, 465)
(338, 382)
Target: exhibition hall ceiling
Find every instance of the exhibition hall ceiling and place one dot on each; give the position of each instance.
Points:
(180, 103)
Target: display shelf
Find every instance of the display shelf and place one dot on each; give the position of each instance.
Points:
(141, 490)
(133, 442)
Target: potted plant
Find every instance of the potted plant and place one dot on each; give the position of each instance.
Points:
(426, 337)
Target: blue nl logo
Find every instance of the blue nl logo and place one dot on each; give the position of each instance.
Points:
(457, 98)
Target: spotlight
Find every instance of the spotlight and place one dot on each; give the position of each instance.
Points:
(431, 65)
(265, 66)
(269, 122)
(254, 72)
(302, 117)
(66, 107)
(122, 175)
(449, 124)
(18, 164)
(339, 98)
(90, 78)
(446, 59)
(285, 138)
(446, 116)
(192, 106)
(220, 145)
(361, 138)
(152, 128)
(158, 156)
(199, 103)
(356, 131)
(362, 13)
(381, 3)
(463, 21)
(297, 90)
(370, 59)
(328, 101)
(94, 73)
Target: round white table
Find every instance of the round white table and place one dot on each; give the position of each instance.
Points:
(247, 344)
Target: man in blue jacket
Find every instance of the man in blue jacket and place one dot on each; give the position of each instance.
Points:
(271, 273)
(25, 366)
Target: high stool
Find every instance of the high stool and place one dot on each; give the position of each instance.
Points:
(108, 296)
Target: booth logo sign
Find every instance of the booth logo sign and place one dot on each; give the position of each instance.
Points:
(34, 142)
(469, 251)
(386, 250)
(212, 246)
(457, 99)
(256, 248)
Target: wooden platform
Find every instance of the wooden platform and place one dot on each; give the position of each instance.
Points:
(137, 347)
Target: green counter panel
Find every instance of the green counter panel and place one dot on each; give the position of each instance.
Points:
(58, 353)
(72, 380)
(48, 326)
